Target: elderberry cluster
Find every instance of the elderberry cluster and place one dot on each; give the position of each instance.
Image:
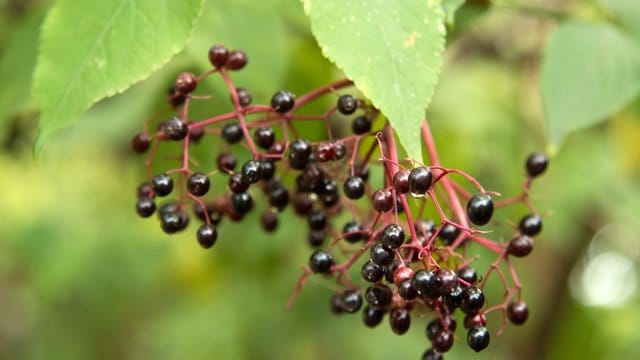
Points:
(407, 261)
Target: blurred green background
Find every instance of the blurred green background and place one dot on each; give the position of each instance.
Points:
(81, 276)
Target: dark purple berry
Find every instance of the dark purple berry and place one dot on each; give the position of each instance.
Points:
(350, 301)
(536, 164)
(354, 187)
(401, 181)
(407, 291)
(448, 234)
(453, 298)
(145, 207)
(468, 274)
(382, 200)
(325, 152)
(400, 320)
(480, 209)
(186, 82)
(207, 235)
(241, 203)
(317, 220)
(279, 197)
(162, 184)
(378, 295)
(237, 183)
(283, 101)
(174, 221)
(392, 236)
(372, 316)
(140, 143)
(198, 184)
(251, 171)
(195, 134)
(244, 97)
(478, 338)
(477, 319)
(269, 221)
(361, 125)
(267, 169)
(321, 261)
(427, 283)
(520, 246)
(299, 153)
(448, 279)
(264, 137)
(218, 55)
(472, 300)
(145, 190)
(226, 162)
(347, 104)
(339, 151)
(353, 232)
(237, 60)
(518, 312)
(530, 225)
(431, 354)
(175, 129)
(302, 204)
(232, 133)
(316, 238)
(420, 180)
(372, 272)
(443, 341)
(382, 254)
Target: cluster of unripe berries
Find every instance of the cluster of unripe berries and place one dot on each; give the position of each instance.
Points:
(412, 262)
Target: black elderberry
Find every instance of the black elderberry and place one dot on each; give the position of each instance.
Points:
(390, 271)
(237, 60)
(347, 104)
(264, 137)
(401, 181)
(448, 234)
(251, 171)
(195, 134)
(477, 319)
(237, 183)
(453, 298)
(472, 300)
(372, 316)
(378, 295)
(316, 237)
(302, 204)
(438, 325)
(520, 246)
(173, 222)
(382, 200)
(443, 341)
(283, 101)
(468, 274)
(325, 152)
(536, 164)
(361, 125)
(140, 142)
(279, 197)
(350, 301)
(241, 203)
(175, 129)
(518, 312)
(321, 261)
(406, 290)
(478, 338)
(392, 236)
(335, 304)
(353, 232)
(207, 235)
(354, 187)
(530, 225)
(480, 209)
(218, 55)
(299, 153)
(174, 98)
(198, 184)
(232, 133)
(339, 151)
(168, 208)
(145, 207)
(269, 221)
(267, 169)
(382, 254)
(401, 274)
(214, 215)
(226, 162)
(427, 283)
(431, 354)
(186, 82)
(244, 97)
(420, 180)
(372, 272)
(145, 190)
(361, 170)
(400, 320)
(317, 220)
(162, 184)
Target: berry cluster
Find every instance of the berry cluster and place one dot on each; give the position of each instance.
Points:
(408, 261)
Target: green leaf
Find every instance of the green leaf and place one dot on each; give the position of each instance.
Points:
(627, 13)
(392, 50)
(589, 71)
(450, 7)
(94, 49)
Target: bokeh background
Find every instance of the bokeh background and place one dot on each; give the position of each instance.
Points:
(81, 276)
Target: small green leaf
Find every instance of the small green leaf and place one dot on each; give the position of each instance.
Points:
(450, 7)
(392, 50)
(94, 49)
(589, 71)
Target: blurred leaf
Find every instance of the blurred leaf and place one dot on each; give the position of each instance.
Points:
(91, 50)
(450, 7)
(391, 50)
(589, 71)
(17, 64)
(627, 13)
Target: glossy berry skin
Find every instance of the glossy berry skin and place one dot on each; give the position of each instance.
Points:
(443, 341)
(350, 301)
(207, 235)
(372, 272)
(520, 246)
(316, 238)
(162, 184)
(145, 207)
(317, 220)
(382, 200)
(237, 60)
(355, 231)
(347, 104)
(427, 283)
(340, 151)
(400, 320)
(420, 180)
(472, 300)
(267, 169)
(478, 338)
(186, 82)
(536, 164)
(518, 312)
(448, 234)
(480, 209)
(140, 143)
(144, 190)
(468, 274)
(325, 152)
(392, 236)
(448, 279)
(226, 162)
(435, 326)
(299, 153)
(471, 320)
(251, 171)
(264, 137)
(173, 221)
(279, 197)
(335, 305)
(244, 97)
(232, 133)
(175, 129)
(195, 134)
(378, 295)
(382, 254)
(241, 203)
(401, 274)
(237, 183)
(218, 55)
(530, 225)
(401, 181)
(321, 261)
(372, 316)
(174, 98)
(283, 101)
(214, 215)
(407, 291)
(431, 354)
(269, 221)
(198, 184)
(302, 204)
(354, 187)
(361, 125)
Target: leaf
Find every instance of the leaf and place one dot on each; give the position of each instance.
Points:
(589, 71)
(627, 12)
(392, 50)
(94, 49)
(450, 7)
